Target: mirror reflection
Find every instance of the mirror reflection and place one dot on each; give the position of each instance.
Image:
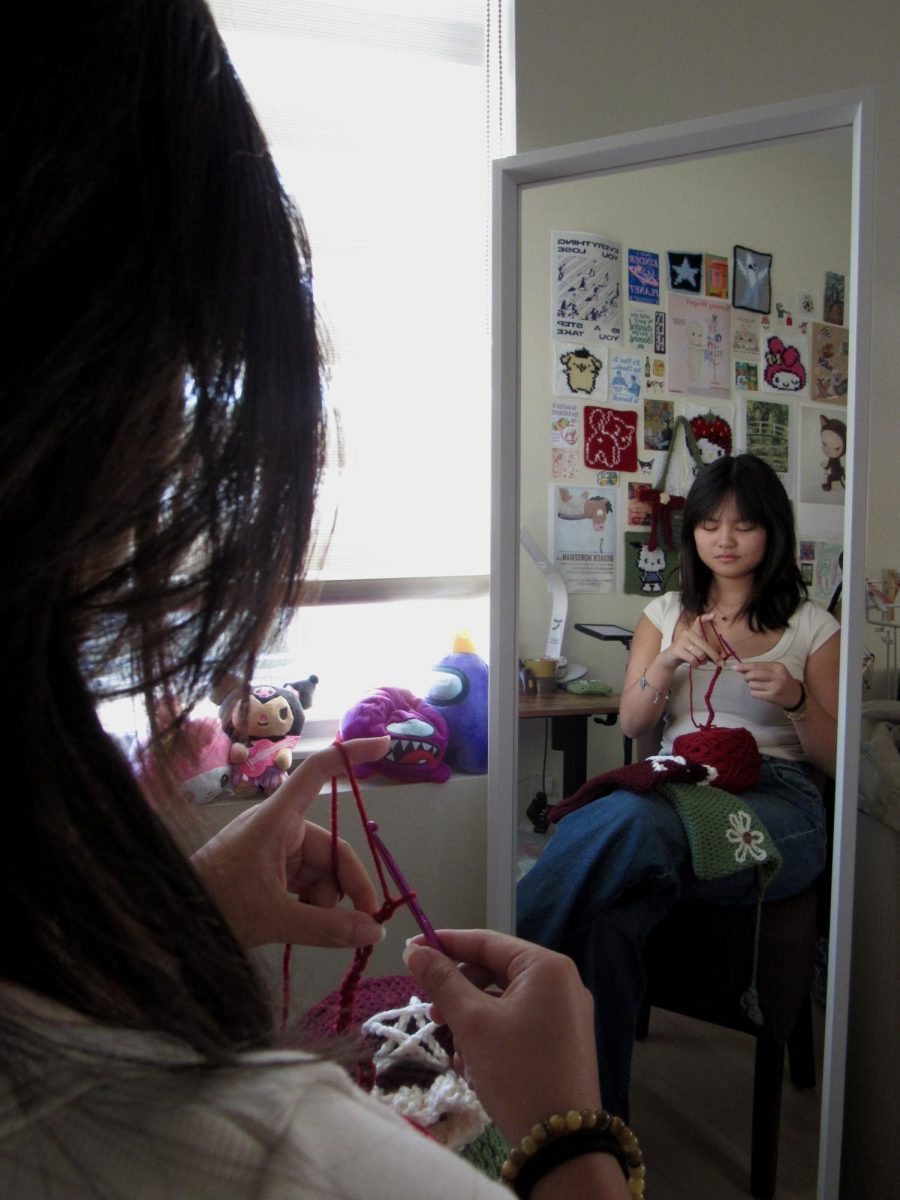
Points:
(618, 409)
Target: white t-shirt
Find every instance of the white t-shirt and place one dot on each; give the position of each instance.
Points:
(108, 1121)
(810, 627)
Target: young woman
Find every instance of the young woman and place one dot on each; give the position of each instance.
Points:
(614, 868)
(162, 438)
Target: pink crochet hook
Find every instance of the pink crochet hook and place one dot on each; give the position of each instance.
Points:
(406, 892)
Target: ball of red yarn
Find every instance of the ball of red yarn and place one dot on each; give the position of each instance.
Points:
(733, 753)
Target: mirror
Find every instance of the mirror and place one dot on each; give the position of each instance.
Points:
(624, 188)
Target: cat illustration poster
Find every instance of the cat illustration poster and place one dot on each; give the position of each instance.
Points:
(587, 286)
(699, 340)
(823, 449)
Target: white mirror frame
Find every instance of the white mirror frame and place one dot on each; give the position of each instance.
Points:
(735, 131)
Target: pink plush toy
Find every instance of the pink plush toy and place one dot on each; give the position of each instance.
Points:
(199, 764)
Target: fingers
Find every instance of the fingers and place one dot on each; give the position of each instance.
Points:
(530, 1048)
(310, 876)
(308, 925)
(304, 783)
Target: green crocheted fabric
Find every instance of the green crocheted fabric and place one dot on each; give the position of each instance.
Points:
(725, 836)
(488, 1152)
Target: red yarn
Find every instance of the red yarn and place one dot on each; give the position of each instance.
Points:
(362, 954)
(732, 752)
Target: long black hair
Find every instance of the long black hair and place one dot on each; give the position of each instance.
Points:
(778, 587)
(162, 441)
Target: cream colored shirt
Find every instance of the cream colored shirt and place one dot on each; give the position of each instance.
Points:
(810, 627)
(112, 1117)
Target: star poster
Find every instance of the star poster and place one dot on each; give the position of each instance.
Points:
(685, 271)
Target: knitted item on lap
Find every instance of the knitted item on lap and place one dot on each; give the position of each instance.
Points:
(724, 833)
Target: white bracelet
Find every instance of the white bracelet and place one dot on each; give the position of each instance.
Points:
(659, 696)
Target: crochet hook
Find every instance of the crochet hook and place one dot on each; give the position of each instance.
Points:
(406, 892)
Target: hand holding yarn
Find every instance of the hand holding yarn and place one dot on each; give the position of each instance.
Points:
(772, 682)
(268, 856)
(520, 1064)
(696, 645)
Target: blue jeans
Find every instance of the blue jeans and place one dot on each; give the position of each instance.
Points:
(613, 869)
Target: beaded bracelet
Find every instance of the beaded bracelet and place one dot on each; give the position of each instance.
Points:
(563, 1137)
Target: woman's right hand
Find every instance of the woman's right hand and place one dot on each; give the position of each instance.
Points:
(528, 1049)
(696, 643)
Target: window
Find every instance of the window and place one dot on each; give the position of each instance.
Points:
(377, 115)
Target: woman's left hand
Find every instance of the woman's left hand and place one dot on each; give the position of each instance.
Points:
(772, 682)
(270, 869)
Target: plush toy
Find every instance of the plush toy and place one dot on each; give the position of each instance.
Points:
(460, 691)
(198, 763)
(418, 734)
(264, 724)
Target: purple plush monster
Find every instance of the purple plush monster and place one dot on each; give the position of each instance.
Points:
(460, 691)
(418, 734)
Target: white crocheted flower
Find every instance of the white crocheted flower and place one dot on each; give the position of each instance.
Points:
(746, 839)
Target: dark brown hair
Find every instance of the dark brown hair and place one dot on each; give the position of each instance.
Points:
(760, 497)
(162, 440)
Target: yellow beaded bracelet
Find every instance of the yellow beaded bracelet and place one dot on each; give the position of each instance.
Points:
(569, 1135)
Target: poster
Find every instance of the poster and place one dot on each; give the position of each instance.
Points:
(565, 424)
(659, 420)
(768, 433)
(746, 376)
(833, 305)
(587, 287)
(583, 536)
(643, 276)
(716, 269)
(699, 337)
(745, 334)
(830, 362)
(641, 328)
(823, 446)
(625, 375)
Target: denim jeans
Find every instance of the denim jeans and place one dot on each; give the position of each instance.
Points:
(613, 869)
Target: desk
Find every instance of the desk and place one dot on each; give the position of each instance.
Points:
(569, 718)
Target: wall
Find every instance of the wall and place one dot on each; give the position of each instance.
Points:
(586, 69)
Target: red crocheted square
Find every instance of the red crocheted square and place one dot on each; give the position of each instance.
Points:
(610, 439)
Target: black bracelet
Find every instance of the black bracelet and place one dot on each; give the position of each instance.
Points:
(554, 1153)
(799, 703)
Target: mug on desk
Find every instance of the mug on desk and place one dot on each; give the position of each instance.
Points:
(544, 672)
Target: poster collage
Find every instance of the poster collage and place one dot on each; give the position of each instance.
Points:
(667, 359)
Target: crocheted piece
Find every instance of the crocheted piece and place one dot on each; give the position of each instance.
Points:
(724, 833)
(407, 1035)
